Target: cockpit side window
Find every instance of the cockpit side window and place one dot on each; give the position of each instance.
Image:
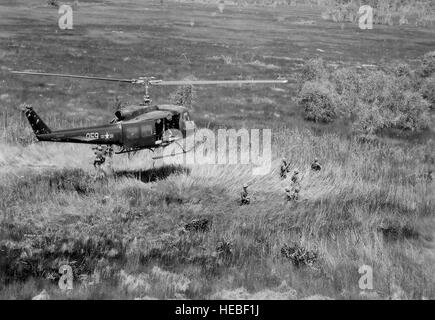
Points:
(146, 130)
(133, 132)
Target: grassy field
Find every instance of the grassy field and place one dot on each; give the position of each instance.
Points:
(371, 204)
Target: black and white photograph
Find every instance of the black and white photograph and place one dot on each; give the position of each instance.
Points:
(216, 154)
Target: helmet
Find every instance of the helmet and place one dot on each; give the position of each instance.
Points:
(287, 189)
(284, 160)
(245, 185)
(296, 171)
(100, 148)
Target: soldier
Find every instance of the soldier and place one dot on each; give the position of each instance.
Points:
(108, 155)
(429, 176)
(295, 177)
(292, 194)
(159, 131)
(288, 194)
(99, 157)
(244, 198)
(284, 168)
(295, 194)
(316, 165)
(109, 151)
(296, 187)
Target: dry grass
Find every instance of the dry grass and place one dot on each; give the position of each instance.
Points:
(369, 205)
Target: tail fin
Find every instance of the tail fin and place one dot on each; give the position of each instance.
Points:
(38, 126)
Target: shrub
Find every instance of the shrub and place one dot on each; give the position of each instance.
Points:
(319, 100)
(401, 69)
(411, 112)
(391, 107)
(428, 64)
(374, 100)
(313, 69)
(183, 96)
(369, 120)
(342, 13)
(377, 87)
(404, 74)
(299, 256)
(53, 3)
(346, 79)
(428, 90)
(347, 83)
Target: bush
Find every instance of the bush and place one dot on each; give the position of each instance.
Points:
(390, 107)
(428, 90)
(183, 96)
(346, 80)
(369, 120)
(411, 112)
(374, 100)
(378, 87)
(347, 85)
(313, 69)
(53, 3)
(342, 13)
(401, 69)
(319, 100)
(428, 64)
(299, 256)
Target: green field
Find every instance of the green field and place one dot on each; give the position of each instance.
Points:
(370, 205)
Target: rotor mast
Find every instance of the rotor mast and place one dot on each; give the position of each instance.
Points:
(146, 82)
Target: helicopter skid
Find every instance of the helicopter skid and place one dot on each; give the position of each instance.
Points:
(180, 153)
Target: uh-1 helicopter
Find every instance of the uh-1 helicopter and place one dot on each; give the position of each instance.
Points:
(135, 127)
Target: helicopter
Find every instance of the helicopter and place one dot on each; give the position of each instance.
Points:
(134, 127)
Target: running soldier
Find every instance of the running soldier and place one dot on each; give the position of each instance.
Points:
(296, 185)
(284, 169)
(288, 194)
(316, 165)
(99, 157)
(295, 177)
(244, 197)
(292, 194)
(295, 194)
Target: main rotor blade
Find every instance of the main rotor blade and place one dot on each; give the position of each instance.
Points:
(206, 82)
(72, 76)
(153, 81)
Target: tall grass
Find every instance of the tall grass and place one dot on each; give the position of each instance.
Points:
(370, 204)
